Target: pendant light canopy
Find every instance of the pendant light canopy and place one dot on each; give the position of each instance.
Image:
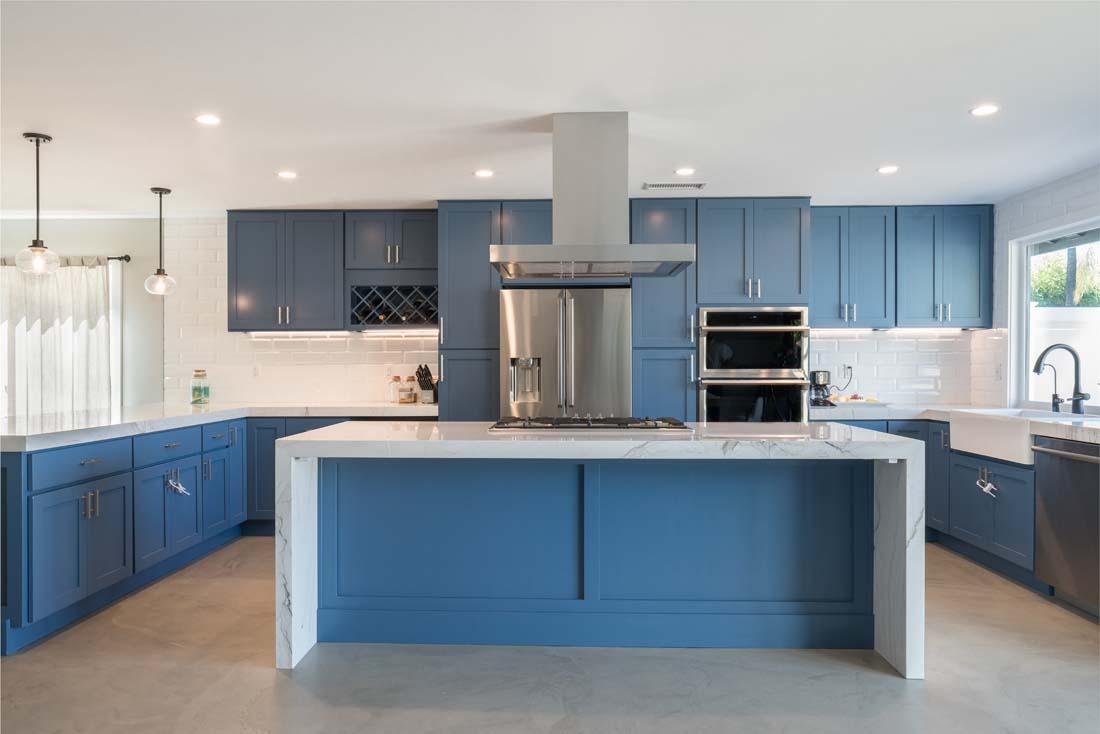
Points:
(37, 259)
(160, 283)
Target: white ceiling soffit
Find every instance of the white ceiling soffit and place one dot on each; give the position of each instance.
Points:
(378, 105)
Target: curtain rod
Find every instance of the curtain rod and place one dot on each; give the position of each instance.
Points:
(123, 258)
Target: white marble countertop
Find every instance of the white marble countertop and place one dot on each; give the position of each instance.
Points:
(403, 439)
(51, 430)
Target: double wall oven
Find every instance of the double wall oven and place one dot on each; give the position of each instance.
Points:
(753, 363)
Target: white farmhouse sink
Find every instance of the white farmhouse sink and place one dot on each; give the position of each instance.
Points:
(1003, 433)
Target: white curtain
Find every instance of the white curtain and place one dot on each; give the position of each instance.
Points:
(56, 338)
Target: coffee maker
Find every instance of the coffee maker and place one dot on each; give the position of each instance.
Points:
(819, 389)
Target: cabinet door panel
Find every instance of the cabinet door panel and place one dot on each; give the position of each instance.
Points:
(469, 385)
(527, 223)
(367, 235)
(262, 434)
(971, 511)
(919, 238)
(417, 240)
(58, 546)
(255, 269)
(871, 266)
(151, 543)
(237, 480)
(724, 250)
(967, 261)
(185, 510)
(1014, 514)
(663, 308)
(215, 492)
(781, 250)
(829, 238)
(469, 287)
(663, 384)
(110, 542)
(937, 463)
(314, 271)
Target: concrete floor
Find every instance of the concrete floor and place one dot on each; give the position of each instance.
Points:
(194, 652)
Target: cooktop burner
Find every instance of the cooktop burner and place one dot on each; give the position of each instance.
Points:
(547, 422)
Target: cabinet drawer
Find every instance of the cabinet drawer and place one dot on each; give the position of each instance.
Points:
(79, 463)
(154, 448)
(215, 436)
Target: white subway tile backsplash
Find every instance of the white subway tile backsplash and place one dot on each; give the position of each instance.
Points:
(255, 369)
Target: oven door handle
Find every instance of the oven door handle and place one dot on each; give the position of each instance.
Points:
(751, 329)
(777, 381)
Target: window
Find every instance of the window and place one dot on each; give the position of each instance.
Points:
(1063, 285)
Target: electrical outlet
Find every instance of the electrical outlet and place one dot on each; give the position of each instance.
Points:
(846, 370)
(255, 370)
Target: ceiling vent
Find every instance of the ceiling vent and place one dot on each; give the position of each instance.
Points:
(683, 186)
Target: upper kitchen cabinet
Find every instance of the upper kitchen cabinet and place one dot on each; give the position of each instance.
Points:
(286, 271)
(944, 262)
(527, 222)
(854, 269)
(382, 240)
(469, 308)
(754, 251)
(663, 308)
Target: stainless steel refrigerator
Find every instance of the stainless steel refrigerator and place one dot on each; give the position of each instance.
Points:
(565, 352)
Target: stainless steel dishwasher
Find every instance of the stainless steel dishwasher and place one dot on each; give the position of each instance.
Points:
(1067, 519)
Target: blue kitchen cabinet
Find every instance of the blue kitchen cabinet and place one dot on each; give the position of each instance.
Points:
(937, 462)
(469, 307)
(256, 264)
(285, 271)
(829, 242)
(917, 430)
(1002, 521)
(262, 434)
(854, 266)
(166, 521)
(944, 258)
(781, 250)
(724, 252)
(390, 239)
(664, 384)
(80, 542)
(185, 510)
(469, 385)
(968, 265)
(301, 425)
(237, 480)
(663, 309)
(971, 512)
(527, 222)
(215, 492)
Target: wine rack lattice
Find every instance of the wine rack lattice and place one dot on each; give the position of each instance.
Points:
(394, 305)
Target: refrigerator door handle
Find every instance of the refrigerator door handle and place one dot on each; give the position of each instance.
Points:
(572, 350)
(561, 350)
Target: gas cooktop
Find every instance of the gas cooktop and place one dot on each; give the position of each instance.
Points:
(575, 423)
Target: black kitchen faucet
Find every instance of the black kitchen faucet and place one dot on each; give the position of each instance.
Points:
(1079, 398)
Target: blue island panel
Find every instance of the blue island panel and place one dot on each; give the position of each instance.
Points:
(628, 553)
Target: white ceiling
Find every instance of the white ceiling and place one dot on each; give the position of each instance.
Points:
(384, 105)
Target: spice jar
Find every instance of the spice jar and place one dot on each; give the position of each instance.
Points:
(408, 391)
(392, 389)
(200, 388)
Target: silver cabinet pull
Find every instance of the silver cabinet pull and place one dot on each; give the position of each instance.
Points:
(173, 445)
(759, 291)
(854, 317)
(388, 257)
(943, 440)
(288, 315)
(85, 502)
(441, 331)
(89, 462)
(949, 312)
(691, 327)
(96, 497)
(439, 380)
(232, 436)
(397, 254)
(845, 313)
(217, 435)
(279, 315)
(748, 287)
(691, 369)
(939, 312)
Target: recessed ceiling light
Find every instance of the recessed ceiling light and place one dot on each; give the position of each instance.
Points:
(288, 175)
(208, 119)
(888, 170)
(984, 110)
(483, 173)
(686, 171)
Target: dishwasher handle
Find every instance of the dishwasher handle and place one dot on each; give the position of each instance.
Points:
(1067, 455)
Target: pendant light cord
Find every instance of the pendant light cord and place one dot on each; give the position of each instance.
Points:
(37, 185)
(160, 216)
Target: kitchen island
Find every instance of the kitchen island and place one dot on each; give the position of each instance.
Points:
(724, 535)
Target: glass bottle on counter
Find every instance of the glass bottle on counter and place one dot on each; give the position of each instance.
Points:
(408, 391)
(392, 389)
(200, 388)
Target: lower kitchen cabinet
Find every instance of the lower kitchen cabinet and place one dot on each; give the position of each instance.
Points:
(215, 492)
(469, 385)
(664, 384)
(238, 475)
(261, 435)
(937, 463)
(80, 542)
(166, 520)
(1000, 520)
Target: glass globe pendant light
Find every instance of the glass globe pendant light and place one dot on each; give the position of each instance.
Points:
(37, 259)
(160, 283)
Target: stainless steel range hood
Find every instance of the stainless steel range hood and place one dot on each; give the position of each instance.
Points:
(591, 211)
